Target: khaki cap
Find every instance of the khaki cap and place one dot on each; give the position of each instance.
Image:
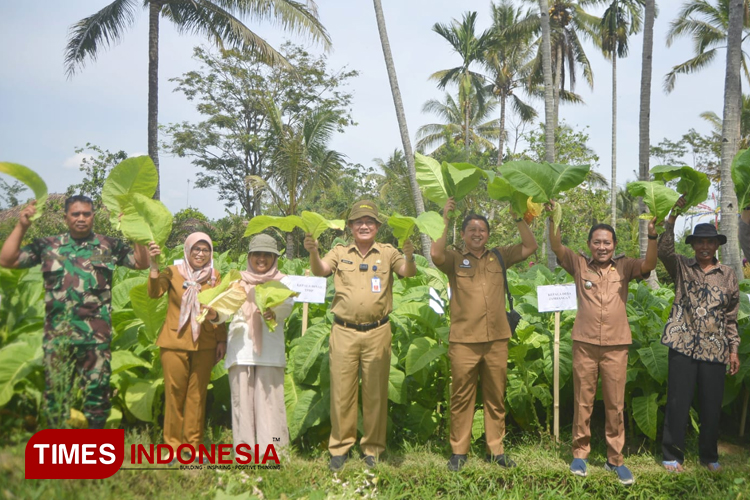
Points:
(263, 243)
(364, 208)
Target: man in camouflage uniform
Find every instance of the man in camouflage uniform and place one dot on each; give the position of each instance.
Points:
(77, 268)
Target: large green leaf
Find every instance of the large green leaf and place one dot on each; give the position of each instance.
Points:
(658, 198)
(16, 361)
(310, 222)
(460, 179)
(429, 223)
(144, 220)
(311, 344)
(741, 177)
(477, 426)
(152, 312)
(121, 291)
(31, 179)
(311, 409)
(422, 352)
(422, 420)
(139, 398)
(396, 389)
(543, 181)
(498, 188)
(693, 185)
(206, 296)
(656, 359)
(133, 175)
(272, 294)
(430, 179)
(644, 412)
(125, 360)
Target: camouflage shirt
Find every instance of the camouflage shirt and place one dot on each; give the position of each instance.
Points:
(78, 284)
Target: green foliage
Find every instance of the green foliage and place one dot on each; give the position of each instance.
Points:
(310, 222)
(32, 180)
(741, 177)
(543, 181)
(658, 198)
(144, 220)
(693, 185)
(429, 223)
(442, 181)
(134, 175)
(95, 170)
(269, 295)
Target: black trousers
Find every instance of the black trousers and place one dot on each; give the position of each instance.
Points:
(684, 372)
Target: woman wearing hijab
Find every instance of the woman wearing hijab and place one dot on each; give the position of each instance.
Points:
(188, 349)
(702, 337)
(255, 356)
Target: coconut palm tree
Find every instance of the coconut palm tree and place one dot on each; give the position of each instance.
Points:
(401, 118)
(620, 20)
(717, 123)
(302, 162)
(730, 134)
(644, 126)
(451, 111)
(707, 25)
(569, 24)
(391, 187)
(506, 58)
(462, 36)
(217, 19)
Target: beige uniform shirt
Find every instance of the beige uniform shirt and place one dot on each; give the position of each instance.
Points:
(478, 294)
(601, 318)
(358, 299)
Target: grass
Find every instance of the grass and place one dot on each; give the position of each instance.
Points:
(409, 472)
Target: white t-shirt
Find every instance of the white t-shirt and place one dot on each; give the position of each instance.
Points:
(240, 344)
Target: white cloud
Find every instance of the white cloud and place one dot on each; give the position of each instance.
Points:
(74, 162)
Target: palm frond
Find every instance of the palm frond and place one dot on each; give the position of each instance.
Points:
(690, 66)
(96, 32)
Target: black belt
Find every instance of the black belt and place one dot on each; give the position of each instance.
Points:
(362, 327)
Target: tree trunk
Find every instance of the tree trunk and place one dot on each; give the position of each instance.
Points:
(290, 253)
(153, 87)
(501, 139)
(467, 120)
(613, 192)
(549, 109)
(730, 137)
(399, 105)
(557, 85)
(644, 142)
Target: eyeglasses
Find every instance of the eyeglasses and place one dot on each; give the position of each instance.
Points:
(364, 222)
(200, 250)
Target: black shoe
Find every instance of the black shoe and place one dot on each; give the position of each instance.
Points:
(370, 461)
(501, 460)
(337, 463)
(456, 462)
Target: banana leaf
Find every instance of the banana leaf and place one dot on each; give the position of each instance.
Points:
(429, 223)
(269, 295)
(143, 219)
(658, 198)
(693, 185)
(133, 175)
(32, 180)
(310, 222)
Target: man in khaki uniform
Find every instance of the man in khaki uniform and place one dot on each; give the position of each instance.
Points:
(361, 334)
(601, 336)
(479, 331)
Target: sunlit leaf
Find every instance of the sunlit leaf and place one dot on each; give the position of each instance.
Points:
(429, 223)
(269, 295)
(32, 180)
(658, 198)
(144, 220)
(133, 175)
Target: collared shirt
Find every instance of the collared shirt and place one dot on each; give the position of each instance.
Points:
(478, 294)
(601, 292)
(77, 283)
(703, 320)
(359, 298)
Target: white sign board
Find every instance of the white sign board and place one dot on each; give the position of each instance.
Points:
(551, 298)
(311, 288)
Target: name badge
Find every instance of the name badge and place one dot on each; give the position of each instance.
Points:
(375, 284)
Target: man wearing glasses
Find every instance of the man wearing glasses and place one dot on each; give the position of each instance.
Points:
(77, 268)
(361, 334)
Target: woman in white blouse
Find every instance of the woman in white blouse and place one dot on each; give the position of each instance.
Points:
(256, 357)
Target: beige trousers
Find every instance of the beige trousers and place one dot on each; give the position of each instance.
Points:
(258, 410)
(589, 363)
(469, 361)
(353, 353)
(186, 377)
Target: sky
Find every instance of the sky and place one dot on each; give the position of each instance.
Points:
(44, 115)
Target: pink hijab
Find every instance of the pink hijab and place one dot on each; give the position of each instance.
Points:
(250, 310)
(190, 308)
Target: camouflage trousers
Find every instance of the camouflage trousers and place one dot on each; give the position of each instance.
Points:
(77, 371)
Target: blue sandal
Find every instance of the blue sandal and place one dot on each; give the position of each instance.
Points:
(676, 466)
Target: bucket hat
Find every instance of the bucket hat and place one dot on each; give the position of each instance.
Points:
(705, 231)
(263, 243)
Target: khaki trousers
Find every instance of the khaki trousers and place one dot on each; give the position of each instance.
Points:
(354, 353)
(468, 361)
(186, 377)
(589, 363)
(258, 410)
